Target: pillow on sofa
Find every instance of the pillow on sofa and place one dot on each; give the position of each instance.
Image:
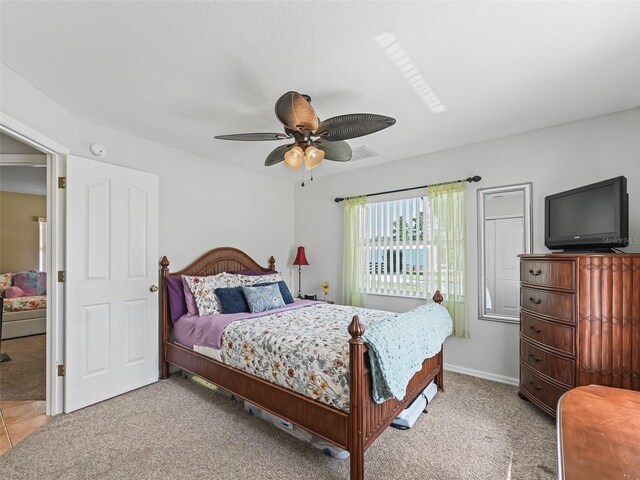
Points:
(32, 282)
(5, 281)
(232, 300)
(261, 299)
(13, 292)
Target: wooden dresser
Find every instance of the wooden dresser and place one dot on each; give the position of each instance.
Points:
(579, 324)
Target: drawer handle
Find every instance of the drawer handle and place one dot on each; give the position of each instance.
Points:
(536, 301)
(537, 387)
(534, 329)
(535, 273)
(534, 358)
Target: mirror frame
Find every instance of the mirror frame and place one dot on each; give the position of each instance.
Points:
(526, 189)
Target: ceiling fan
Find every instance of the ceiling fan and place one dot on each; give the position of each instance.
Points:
(313, 140)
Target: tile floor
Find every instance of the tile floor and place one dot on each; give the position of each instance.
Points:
(18, 420)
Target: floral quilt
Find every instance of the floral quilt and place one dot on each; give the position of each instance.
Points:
(305, 350)
(20, 304)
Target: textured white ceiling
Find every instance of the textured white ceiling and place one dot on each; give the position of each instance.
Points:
(180, 73)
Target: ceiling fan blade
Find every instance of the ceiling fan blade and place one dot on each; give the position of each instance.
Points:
(277, 155)
(353, 125)
(254, 137)
(339, 151)
(296, 113)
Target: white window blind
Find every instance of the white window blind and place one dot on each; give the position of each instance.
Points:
(394, 249)
(42, 244)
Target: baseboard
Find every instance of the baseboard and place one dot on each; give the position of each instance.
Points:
(481, 374)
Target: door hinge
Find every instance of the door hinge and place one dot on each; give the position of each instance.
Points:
(61, 370)
(62, 182)
(62, 276)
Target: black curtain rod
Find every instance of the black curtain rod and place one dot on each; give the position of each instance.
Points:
(475, 178)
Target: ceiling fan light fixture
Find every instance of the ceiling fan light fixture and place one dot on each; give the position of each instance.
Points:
(293, 158)
(315, 140)
(312, 157)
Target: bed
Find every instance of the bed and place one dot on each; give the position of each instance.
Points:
(353, 429)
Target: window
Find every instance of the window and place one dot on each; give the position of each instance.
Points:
(42, 244)
(394, 248)
(409, 248)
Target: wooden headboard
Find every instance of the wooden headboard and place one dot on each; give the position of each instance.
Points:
(218, 260)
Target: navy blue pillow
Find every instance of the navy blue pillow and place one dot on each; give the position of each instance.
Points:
(232, 300)
(284, 290)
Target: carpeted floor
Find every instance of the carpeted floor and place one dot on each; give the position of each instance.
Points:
(477, 429)
(24, 377)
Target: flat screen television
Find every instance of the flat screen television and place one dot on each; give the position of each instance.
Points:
(590, 218)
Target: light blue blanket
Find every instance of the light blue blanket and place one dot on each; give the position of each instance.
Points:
(398, 345)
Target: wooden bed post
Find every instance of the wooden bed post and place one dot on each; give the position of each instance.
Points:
(272, 264)
(164, 326)
(357, 399)
(438, 298)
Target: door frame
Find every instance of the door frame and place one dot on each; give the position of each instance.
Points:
(56, 204)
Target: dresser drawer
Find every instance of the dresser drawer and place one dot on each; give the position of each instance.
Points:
(559, 368)
(555, 274)
(540, 389)
(554, 335)
(560, 306)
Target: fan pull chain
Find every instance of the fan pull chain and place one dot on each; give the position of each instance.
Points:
(302, 177)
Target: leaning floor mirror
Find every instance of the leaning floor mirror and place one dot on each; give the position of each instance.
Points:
(504, 232)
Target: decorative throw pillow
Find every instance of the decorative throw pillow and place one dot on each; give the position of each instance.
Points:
(203, 290)
(251, 280)
(232, 300)
(13, 292)
(5, 281)
(261, 299)
(177, 300)
(32, 282)
(284, 290)
(192, 307)
(252, 273)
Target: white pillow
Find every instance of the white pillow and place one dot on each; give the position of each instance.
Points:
(203, 290)
(251, 280)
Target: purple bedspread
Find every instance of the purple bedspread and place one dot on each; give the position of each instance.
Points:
(207, 330)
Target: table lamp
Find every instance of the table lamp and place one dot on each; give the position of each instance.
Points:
(301, 259)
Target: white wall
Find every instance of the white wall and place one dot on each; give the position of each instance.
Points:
(19, 179)
(554, 159)
(204, 203)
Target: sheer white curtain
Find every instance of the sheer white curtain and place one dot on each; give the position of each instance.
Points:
(355, 233)
(445, 247)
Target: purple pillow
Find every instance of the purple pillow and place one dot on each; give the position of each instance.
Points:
(13, 292)
(252, 273)
(177, 303)
(32, 282)
(192, 306)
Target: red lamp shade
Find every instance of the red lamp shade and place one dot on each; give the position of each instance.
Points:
(301, 258)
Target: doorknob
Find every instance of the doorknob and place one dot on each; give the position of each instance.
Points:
(153, 288)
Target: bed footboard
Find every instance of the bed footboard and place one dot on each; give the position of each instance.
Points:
(367, 419)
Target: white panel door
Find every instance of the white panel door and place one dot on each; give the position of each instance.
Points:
(111, 334)
(509, 243)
